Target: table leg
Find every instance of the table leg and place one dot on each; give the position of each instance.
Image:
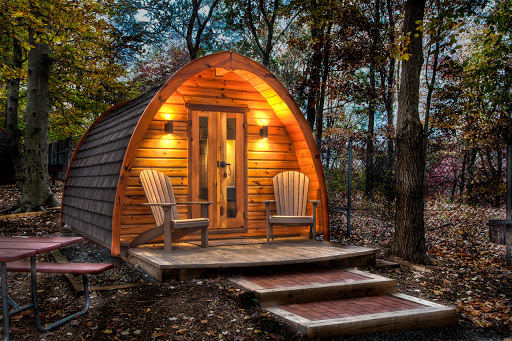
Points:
(5, 302)
(35, 303)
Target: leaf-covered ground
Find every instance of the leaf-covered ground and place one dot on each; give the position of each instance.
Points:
(467, 272)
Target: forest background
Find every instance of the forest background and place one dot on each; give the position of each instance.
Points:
(341, 61)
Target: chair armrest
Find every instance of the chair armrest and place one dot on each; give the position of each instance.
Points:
(314, 201)
(194, 202)
(163, 204)
(268, 202)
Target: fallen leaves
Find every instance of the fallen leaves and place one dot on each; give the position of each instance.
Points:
(468, 271)
(182, 331)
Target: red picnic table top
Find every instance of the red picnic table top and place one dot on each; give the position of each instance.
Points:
(37, 247)
(11, 255)
(64, 241)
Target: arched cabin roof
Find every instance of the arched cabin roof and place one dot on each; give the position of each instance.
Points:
(97, 174)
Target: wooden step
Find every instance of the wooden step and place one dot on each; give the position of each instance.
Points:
(313, 285)
(365, 315)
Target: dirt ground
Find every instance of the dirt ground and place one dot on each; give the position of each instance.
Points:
(466, 273)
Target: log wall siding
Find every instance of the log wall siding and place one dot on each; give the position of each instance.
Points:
(281, 152)
(91, 182)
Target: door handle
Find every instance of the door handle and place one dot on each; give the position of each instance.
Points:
(223, 164)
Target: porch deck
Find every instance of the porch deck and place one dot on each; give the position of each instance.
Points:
(188, 260)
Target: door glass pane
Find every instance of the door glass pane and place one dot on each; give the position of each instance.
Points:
(231, 159)
(203, 158)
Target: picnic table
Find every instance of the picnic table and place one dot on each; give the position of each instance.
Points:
(13, 249)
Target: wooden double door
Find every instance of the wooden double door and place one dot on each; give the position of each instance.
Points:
(217, 165)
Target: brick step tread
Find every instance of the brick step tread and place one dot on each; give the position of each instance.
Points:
(362, 315)
(355, 306)
(314, 285)
(71, 268)
(302, 278)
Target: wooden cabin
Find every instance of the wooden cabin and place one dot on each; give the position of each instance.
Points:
(221, 128)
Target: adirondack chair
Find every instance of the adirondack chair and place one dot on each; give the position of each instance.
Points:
(291, 192)
(160, 195)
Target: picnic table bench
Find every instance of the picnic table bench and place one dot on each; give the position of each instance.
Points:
(13, 249)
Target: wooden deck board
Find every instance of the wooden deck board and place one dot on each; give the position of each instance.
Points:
(285, 251)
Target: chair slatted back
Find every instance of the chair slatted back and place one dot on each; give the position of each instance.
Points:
(158, 189)
(291, 192)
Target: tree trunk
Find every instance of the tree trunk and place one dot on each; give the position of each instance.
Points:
(13, 131)
(370, 174)
(370, 171)
(454, 187)
(36, 193)
(430, 90)
(389, 99)
(193, 43)
(314, 75)
(323, 86)
(266, 50)
(409, 240)
(470, 172)
(463, 174)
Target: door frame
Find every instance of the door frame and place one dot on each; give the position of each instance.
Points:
(193, 190)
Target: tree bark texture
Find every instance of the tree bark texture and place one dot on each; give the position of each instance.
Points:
(315, 66)
(36, 191)
(409, 241)
(13, 131)
(389, 99)
(370, 168)
(323, 86)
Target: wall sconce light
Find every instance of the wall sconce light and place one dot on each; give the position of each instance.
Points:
(264, 137)
(264, 132)
(169, 129)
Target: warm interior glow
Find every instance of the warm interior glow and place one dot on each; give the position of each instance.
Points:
(231, 159)
(262, 143)
(263, 122)
(167, 117)
(168, 138)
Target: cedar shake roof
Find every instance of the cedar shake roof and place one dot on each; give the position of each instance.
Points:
(92, 179)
